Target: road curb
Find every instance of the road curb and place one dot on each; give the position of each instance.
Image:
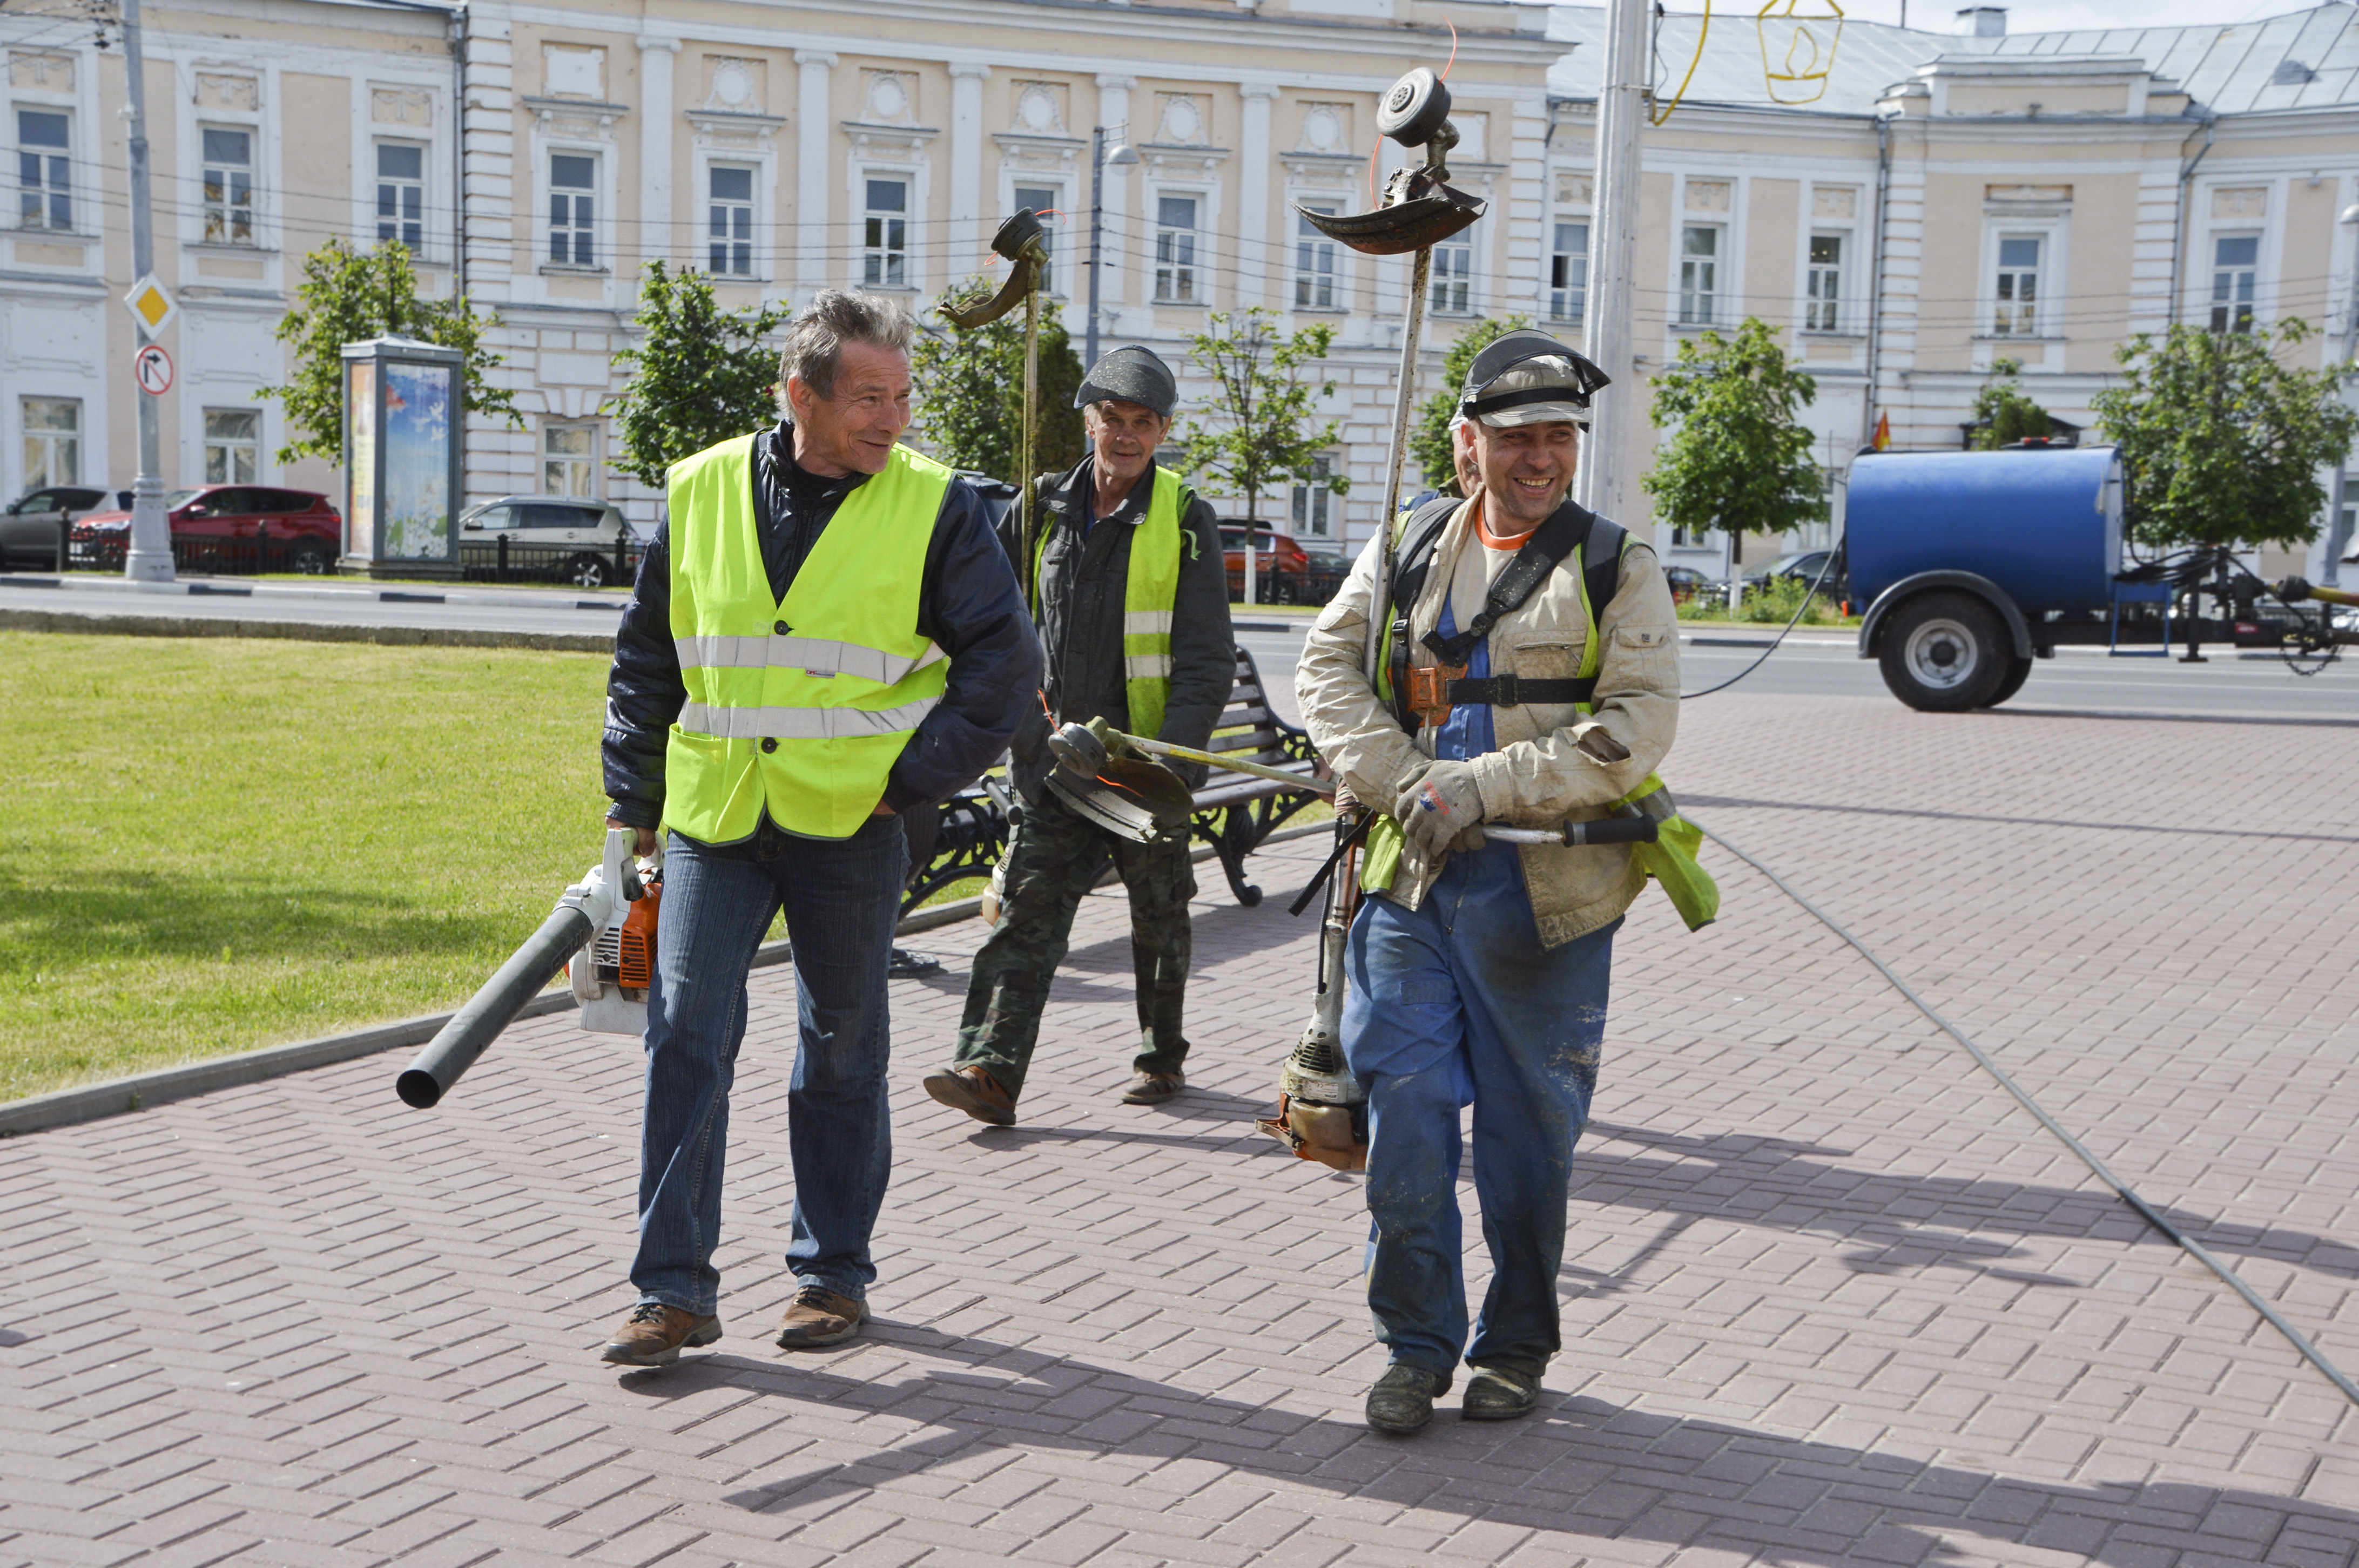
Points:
(232, 588)
(161, 1086)
(135, 626)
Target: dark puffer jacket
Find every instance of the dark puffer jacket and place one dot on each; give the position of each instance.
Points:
(969, 605)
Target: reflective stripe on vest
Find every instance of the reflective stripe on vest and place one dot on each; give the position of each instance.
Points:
(1149, 593)
(797, 707)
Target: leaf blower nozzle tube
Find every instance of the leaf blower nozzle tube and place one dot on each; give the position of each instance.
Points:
(475, 1026)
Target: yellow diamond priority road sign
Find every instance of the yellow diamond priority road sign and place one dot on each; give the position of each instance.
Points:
(150, 305)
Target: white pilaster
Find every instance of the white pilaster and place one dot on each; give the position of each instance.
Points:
(813, 132)
(655, 217)
(970, 227)
(1114, 111)
(1253, 197)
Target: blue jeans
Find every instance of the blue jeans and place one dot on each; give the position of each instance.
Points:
(843, 899)
(1456, 1001)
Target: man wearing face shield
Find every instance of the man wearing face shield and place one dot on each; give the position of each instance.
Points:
(1132, 603)
(1529, 676)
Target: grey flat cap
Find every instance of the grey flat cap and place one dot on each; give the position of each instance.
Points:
(1132, 374)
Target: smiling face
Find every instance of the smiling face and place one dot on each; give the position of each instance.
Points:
(1526, 469)
(854, 430)
(1124, 435)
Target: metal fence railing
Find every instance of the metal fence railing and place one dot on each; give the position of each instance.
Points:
(512, 560)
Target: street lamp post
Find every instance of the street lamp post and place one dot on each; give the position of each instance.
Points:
(2338, 533)
(1123, 156)
(148, 555)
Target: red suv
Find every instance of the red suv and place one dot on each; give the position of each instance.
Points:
(227, 527)
(1281, 566)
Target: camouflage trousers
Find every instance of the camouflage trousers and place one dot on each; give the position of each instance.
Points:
(1054, 857)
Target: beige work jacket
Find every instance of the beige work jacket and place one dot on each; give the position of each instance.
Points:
(1541, 773)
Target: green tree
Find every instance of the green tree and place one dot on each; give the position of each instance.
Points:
(1737, 457)
(2004, 412)
(349, 296)
(697, 375)
(1429, 432)
(1263, 404)
(2222, 442)
(970, 392)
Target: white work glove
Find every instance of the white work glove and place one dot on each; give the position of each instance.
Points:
(1439, 805)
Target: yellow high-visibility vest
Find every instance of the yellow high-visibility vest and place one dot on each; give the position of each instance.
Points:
(796, 706)
(1148, 594)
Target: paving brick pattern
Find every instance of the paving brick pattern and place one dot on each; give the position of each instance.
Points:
(1829, 1297)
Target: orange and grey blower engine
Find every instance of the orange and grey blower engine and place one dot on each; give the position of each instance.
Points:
(602, 935)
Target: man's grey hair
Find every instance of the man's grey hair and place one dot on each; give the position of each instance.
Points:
(815, 343)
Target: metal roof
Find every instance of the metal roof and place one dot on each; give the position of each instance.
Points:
(2227, 69)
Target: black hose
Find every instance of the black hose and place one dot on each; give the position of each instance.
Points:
(1799, 610)
(2122, 1189)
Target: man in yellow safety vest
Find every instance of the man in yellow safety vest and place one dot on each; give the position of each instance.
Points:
(825, 634)
(1133, 604)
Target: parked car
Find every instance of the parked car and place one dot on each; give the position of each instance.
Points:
(1327, 574)
(227, 527)
(1806, 565)
(1281, 566)
(33, 525)
(1686, 582)
(563, 539)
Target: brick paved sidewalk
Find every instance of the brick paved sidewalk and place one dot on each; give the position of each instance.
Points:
(1830, 1298)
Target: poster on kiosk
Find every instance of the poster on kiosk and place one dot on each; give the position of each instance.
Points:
(401, 458)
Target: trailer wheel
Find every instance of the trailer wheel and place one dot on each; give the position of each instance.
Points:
(1945, 653)
(2019, 670)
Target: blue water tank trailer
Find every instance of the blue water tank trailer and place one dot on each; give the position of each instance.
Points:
(1962, 555)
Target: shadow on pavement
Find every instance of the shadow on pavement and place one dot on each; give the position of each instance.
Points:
(1581, 1466)
(1714, 802)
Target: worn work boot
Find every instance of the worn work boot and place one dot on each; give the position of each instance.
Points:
(973, 1091)
(1402, 1400)
(653, 1334)
(1152, 1088)
(818, 1317)
(1495, 1394)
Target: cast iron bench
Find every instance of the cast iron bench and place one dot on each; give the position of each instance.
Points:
(1234, 812)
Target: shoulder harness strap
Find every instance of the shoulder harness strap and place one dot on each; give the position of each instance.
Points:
(1553, 540)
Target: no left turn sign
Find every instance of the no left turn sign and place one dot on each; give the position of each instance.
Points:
(153, 367)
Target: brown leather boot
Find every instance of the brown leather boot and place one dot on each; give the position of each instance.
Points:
(653, 1334)
(1152, 1088)
(818, 1317)
(973, 1091)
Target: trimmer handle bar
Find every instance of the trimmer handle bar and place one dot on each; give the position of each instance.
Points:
(1607, 830)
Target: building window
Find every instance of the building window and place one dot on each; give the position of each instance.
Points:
(885, 261)
(1314, 264)
(729, 221)
(1568, 273)
(232, 446)
(44, 171)
(2235, 258)
(1822, 308)
(1454, 278)
(1042, 201)
(401, 194)
(1175, 249)
(569, 460)
(52, 441)
(2018, 289)
(229, 188)
(1699, 274)
(572, 208)
(1314, 503)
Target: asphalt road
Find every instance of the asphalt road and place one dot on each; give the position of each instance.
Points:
(1819, 664)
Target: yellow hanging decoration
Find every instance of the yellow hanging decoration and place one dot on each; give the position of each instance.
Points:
(1809, 55)
(1704, 31)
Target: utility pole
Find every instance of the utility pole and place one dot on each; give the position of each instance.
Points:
(149, 558)
(1603, 485)
(2338, 536)
(1123, 156)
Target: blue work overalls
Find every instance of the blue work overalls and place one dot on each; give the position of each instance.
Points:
(1457, 1002)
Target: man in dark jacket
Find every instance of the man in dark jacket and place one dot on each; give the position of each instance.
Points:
(1128, 558)
(744, 754)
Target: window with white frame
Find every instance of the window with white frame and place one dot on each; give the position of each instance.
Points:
(2236, 264)
(1690, 539)
(885, 258)
(1699, 274)
(52, 429)
(1314, 263)
(2017, 313)
(573, 209)
(569, 459)
(401, 194)
(44, 170)
(232, 446)
(1569, 271)
(1314, 503)
(1454, 278)
(1175, 249)
(1822, 301)
(1041, 200)
(227, 185)
(729, 220)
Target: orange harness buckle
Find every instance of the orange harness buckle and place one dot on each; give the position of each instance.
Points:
(1429, 691)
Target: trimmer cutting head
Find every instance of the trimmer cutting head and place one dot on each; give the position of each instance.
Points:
(1140, 799)
(1020, 240)
(1420, 207)
(1413, 108)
